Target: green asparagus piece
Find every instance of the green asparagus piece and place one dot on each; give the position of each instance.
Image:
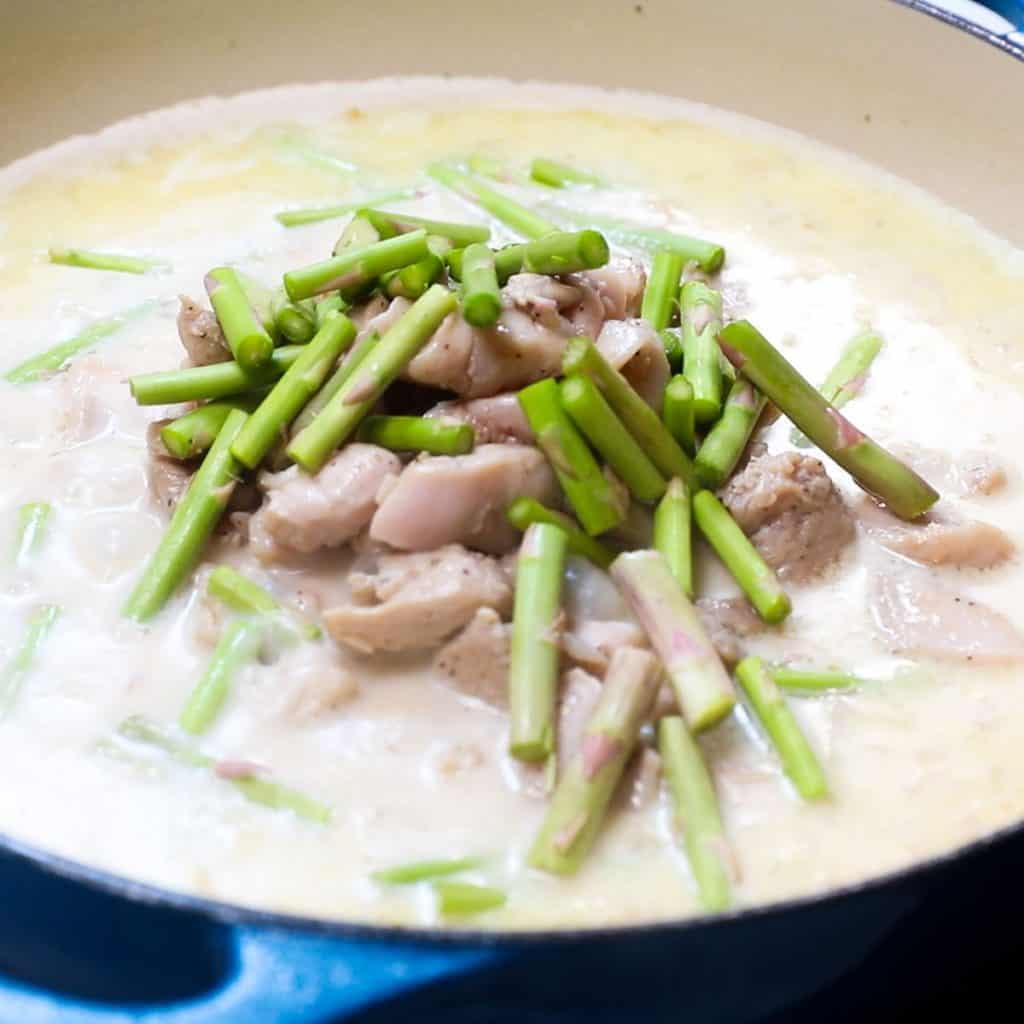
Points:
(261, 298)
(54, 359)
(239, 644)
(702, 686)
(662, 291)
(508, 211)
(708, 256)
(587, 784)
(565, 252)
(594, 499)
(727, 440)
(604, 430)
(356, 266)
(559, 175)
(312, 215)
(693, 794)
(846, 379)
(294, 390)
(92, 260)
(417, 434)
(358, 232)
(678, 413)
(194, 520)
(673, 533)
(756, 578)
(296, 321)
(372, 376)
(192, 434)
(462, 899)
(525, 511)
(673, 349)
(255, 789)
(814, 680)
(798, 759)
(425, 870)
(481, 298)
(582, 359)
(390, 224)
(533, 669)
(507, 261)
(412, 281)
(700, 313)
(20, 664)
(33, 518)
(327, 304)
(878, 472)
(487, 167)
(240, 593)
(247, 338)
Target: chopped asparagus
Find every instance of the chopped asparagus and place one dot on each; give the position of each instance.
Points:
(358, 232)
(295, 321)
(241, 594)
(525, 511)
(21, 662)
(190, 435)
(417, 434)
(481, 298)
(662, 291)
(814, 680)
(559, 175)
(325, 305)
(507, 261)
(727, 440)
(700, 312)
(33, 518)
(673, 349)
(246, 336)
(390, 224)
(314, 214)
(673, 533)
(412, 281)
(92, 260)
(462, 899)
(678, 413)
(565, 252)
(425, 870)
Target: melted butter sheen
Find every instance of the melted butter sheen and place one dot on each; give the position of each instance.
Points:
(818, 248)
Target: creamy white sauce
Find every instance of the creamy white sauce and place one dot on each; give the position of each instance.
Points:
(818, 248)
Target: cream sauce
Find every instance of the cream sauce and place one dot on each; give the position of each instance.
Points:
(818, 248)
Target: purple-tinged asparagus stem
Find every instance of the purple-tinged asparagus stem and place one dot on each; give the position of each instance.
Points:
(727, 440)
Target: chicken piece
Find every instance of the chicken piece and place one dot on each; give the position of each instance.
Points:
(940, 538)
(462, 499)
(728, 621)
(320, 690)
(915, 615)
(591, 643)
(377, 314)
(967, 474)
(166, 477)
(304, 513)
(578, 697)
(495, 420)
(416, 601)
(787, 505)
(476, 661)
(634, 348)
(619, 284)
(200, 333)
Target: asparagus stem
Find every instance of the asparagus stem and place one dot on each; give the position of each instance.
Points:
(92, 260)
(673, 349)
(207, 383)
(727, 440)
(425, 870)
(372, 376)
(192, 434)
(20, 664)
(755, 576)
(507, 261)
(194, 520)
(325, 305)
(243, 595)
(700, 313)
(508, 211)
(356, 266)
(247, 338)
(798, 759)
(847, 378)
(54, 359)
(814, 680)
(604, 430)
(302, 381)
(255, 789)
(594, 500)
(390, 224)
(33, 518)
(702, 687)
(461, 899)
(565, 252)
(358, 232)
(295, 321)
(412, 281)
(533, 669)
(587, 784)
(525, 511)
(693, 794)
(678, 413)
(582, 359)
(314, 214)
(661, 293)
(878, 472)
(417, 434)
(487, 167)
(673, 533)
(239, 644)
(481, 298)
(708, 256)
(559, 175)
